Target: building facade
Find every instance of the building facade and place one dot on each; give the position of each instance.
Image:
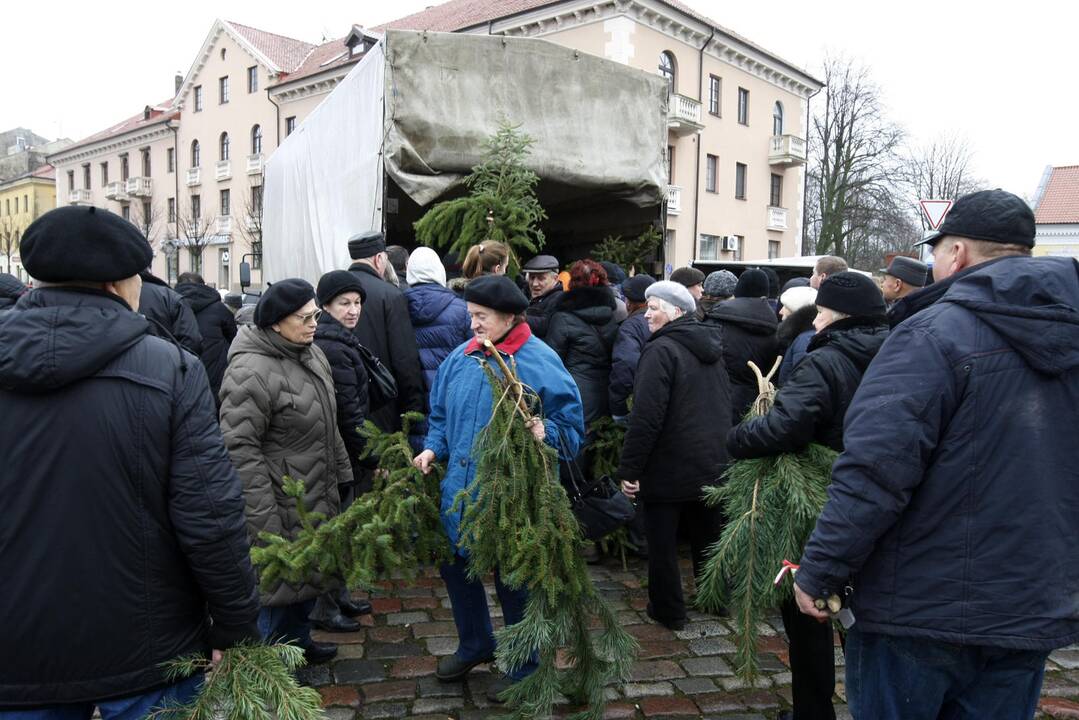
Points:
(1056, 213)
(23, 199)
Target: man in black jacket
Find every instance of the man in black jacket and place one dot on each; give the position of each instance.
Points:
(170, 317)
(216, 324)
(124, 544)
(544, 288)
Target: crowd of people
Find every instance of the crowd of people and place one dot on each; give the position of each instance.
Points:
(140, 476)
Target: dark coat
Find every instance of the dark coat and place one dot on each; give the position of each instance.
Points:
(441, 323)
(582, 330)
(217, 326)
(955, 506)
(170, 317)
(632, 335)
(812, 405)
(747, 328)
(123, 531)
(794, 334)
(341, 348)
(539, 309)
(11, 289)
(386, 331)
(681, 414)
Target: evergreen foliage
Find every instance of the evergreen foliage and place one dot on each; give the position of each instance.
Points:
(772, 504)
(629, 253)
(605, 447)
(501, 204)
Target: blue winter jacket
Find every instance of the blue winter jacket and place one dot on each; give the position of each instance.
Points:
(461, 407)
(441, 323)
(633, 333)
(955, 505)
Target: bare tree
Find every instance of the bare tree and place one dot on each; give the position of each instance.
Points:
(197, 230)
(939, 169)
(9, 239)
(251, 227)
(147, 217)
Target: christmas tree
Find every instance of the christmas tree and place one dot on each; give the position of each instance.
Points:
(632, 254)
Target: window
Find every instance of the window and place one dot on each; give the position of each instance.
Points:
(196, 259)
(667, 69)
(70, 180)
(7, 206)
(710, 173)
(740, 241)
(26, 203)
(172, 267)
(223, 268)
(146, 162)
(86, 176)
(223, 90)
(256, 140)
(773, 249)
(224, 146)
(777, 119)
(196, 154)
(124, 168)
(147, 219)
(743, 106)
(253, 79)
(715, 85)
(225, 198)
(104, 174)
(170, 160)
(709, 249)
(670, 163)
(196, 207)
(290, 125)
(739, 181)
(171, 204)
(775, 195)
(198, 98)
(256, 200)
(125, 211)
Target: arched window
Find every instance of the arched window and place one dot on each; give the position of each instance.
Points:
(667, 68)
(196, 155)
(224, 146)
(777, 119)
(256, 140)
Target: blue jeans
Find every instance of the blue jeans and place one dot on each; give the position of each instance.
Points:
(287, 623)
(473, 619)
(906, 678)
(135, 707)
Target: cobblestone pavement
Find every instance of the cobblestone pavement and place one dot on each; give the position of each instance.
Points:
(386, 670)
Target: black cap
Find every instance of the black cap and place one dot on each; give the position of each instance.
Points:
(336, 282)
(634, 288)
(541, 263)
(752, 283)
(687, 276)
(281, 300)
(851, 293)
(911, 271)
(74, 243)
(615, 274)
(365, 244)
(233, 300)
(497, 292)
(991, 215)
(794, 282)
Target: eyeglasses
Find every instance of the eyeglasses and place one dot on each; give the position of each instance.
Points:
(309, 317)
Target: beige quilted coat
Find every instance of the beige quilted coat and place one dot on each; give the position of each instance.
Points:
(279, 417)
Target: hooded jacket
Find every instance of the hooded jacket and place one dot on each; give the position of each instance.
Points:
(341, 348)
(169, 315)
(632, 335)
(955, 505)
(793, 335)
(681, 414)
(440, 322)
(123, 533)
(216, 325)
(747, 330)
(581, 331)
(11, 289)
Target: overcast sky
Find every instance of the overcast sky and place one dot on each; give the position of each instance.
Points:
(1001, 75)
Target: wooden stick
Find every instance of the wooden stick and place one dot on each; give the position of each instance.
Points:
(511, 379)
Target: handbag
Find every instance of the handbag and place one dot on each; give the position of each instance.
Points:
(381, 386)
(600, 506)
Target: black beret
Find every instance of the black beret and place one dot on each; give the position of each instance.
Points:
(688, 276)
(336, 282)
(497, 292)
(83, 243)
(366, 244)
(752, 283)
(634, 288)
(281, 300)
(851, 293)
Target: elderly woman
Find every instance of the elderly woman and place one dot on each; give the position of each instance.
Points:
(461, 404)
(279, 418)
(674, 444)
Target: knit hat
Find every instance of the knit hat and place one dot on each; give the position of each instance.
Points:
(83, 243)
(851, 293)
(798, 297)
(366, 244)
(497, 292)
(753, 283)
(336, 282)
(634, 288)
(615, 274)
(233, 300)
(720, 283)
(281, 300)
(687, 276)
(425, 267)
(673, 292)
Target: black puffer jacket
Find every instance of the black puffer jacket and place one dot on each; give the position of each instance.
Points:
(681, 414)
(539, 310)
(169, 315)
(747, 328)
(123, 531)
(217, 326)
(11, 289)
(812, 405)
(339, 344)
(582, 331)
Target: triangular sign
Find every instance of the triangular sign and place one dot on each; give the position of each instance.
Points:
(935, 210)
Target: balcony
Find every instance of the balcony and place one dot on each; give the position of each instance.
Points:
(224, 225)
(223, 170)
(81, 197)
(194, 177)
(777, 218)
(117, 191)
(254, 164)
(683, 115)
(786, 151)
(139, 186)
(674, 199)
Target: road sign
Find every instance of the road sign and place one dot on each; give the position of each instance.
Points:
(935, 210)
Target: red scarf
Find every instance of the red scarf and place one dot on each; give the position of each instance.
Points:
(509, 345)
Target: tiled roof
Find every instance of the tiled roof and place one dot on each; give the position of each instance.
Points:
(1060, 201)
(329, 54)
(285, 52)
(158, 113)
(45, 172)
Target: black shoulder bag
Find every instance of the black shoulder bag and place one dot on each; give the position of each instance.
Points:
(381, 386)
(599, 505)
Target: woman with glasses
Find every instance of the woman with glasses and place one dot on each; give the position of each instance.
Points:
(279, 418)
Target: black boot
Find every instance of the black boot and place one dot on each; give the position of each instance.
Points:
(355, 608)
(338, 624)
(318, 652)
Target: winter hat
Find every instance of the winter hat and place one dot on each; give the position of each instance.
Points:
(687, 276)
(773, 282)
(720, 283)
(281, 300)
(366, 244)
(336, 282)
(911, 271)
(497, 292)
(11, 286)
(615, 274)
(425, 267)
(233, 300)
(83, 243)
(851, 293)
(753, 283)
(673, 292)
(991, 215)
(794, 282)
(634, 288)
(798, 297)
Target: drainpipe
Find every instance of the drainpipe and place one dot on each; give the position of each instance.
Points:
(277, 124)
(176, 190)
(805, 180)
(697, 175)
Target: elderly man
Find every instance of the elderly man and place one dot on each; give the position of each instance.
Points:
(825, 266)
(903, 276)
(544, 287)
(691, 278)
(124, 544)
(952, 519)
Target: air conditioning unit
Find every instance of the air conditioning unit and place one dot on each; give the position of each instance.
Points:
(730, 243)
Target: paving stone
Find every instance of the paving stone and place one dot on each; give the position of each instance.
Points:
(711, 646)
(384, 710)
(357, 672)
(770, 664)
(1059, 707)
(649, 632)
(655, 649)
(338, 713)
(436, 705)
(1058, 686)
(711, 628)
(619, 711)
(651, 671)
(428, 602)
(432, 687)
(315, 675)
(440, 646)
(640, 690)
(414, 667)
(668, 707)
(389, 651)
(389, 690)
(717, 702)
(434, 629)
(413, 592)
(351, 638)
(383, 605)
(386, 634)
(710, 666)
(407, 618)
(737, 683)
(339, 695)
(695, 685)
(759, 700)
(350, 652)
(1067, 659)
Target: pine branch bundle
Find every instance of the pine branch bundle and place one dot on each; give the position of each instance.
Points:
(520, 522)
(772, 504)
(251, 682)
(396, 528)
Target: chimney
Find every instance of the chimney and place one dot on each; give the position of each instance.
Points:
(179, 81)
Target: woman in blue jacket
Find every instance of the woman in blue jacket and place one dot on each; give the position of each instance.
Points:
(461, 405)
